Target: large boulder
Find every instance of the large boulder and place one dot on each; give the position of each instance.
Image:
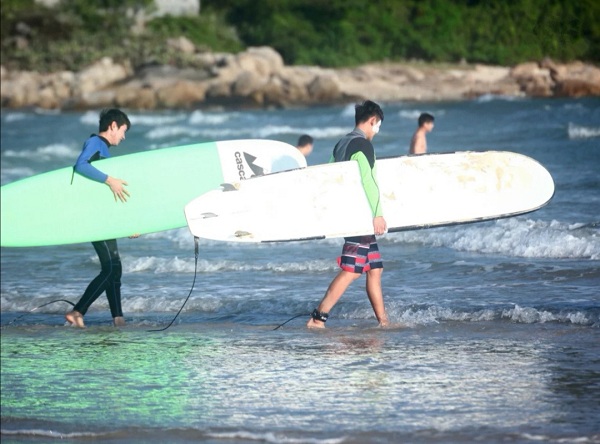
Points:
(324, 88)
(100, 75)
(534, 80)
(20, 89)
(575, 79)
(258, 77)
(182, 94)
(135, 94)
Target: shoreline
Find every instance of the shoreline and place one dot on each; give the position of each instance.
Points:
(257, 78)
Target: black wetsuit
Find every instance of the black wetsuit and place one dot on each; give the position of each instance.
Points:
(109, 279)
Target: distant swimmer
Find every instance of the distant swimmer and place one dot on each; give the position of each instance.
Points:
(418, 143)
(305, 145)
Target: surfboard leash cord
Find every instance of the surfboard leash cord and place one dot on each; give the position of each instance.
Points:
(196, 254)
(291, 319)
(40, 306)
(191, 289)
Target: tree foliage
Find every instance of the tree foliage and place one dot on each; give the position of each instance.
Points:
(310, 32)
(348, 32)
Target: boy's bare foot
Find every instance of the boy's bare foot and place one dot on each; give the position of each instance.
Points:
(383, 321)
(75, 319)
(119, 321)
(313, 323)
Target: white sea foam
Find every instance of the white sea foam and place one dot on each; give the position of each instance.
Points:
(271, 437)
(16, 173)
(529, 315)
(14, 116)
(49, 434)
(485, 98)
(205, 126)
(409, 114)
(177, 265)
(89, 118)
(348, 110)
(317, 132)
(413, 114)
(325, 133)
(162, 132)
(513, 237)
(201, 118)
(46, 152)
(169, 299)
(157, 120)
(523, 315)
(582, 132)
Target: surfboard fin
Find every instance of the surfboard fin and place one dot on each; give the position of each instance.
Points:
(208, 215)
(243, 234)
(230, 186)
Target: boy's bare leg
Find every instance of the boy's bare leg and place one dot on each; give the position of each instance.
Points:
(75, 318)
(335, 291)
(375, 294)
(119, 321)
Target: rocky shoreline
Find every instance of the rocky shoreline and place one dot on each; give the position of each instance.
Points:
(258, 78)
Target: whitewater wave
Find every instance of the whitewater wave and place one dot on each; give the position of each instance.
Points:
(172, 131)
(173, 434)
(91, 118)
(582, 132)
(14, 117)
(45, 153)
(16, 174)
(201, 118)
(40, 433)
(434, 314)
(256, 304)
(486, 98)
(414, 114)
(317, 132)
(515, 237)
(176, 265)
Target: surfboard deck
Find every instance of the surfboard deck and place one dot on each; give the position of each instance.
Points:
(328, 201)
(47, 209)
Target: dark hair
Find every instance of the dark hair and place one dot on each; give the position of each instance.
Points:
(425, 118)
(108, 116)
(305, 139)
(366, 110)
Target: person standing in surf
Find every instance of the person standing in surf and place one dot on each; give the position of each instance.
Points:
(418, 143)
(305, 144)
(359, 254)
(113, 125)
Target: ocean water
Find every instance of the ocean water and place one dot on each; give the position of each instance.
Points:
(496, 334)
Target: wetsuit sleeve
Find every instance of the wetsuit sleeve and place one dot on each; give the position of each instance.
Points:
(369, 182)
(93, 148)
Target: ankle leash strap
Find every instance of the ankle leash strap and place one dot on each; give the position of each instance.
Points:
(319, 315)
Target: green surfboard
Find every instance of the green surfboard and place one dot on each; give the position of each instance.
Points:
(47, 209)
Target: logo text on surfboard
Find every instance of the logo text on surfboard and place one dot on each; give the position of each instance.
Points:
(239, 160)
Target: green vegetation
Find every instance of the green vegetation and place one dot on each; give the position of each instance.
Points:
(80, 32)
(312, 32)
(347, 32)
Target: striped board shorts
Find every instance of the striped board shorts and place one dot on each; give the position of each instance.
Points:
(360, 254)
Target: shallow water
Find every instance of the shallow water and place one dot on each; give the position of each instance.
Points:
(496, 335)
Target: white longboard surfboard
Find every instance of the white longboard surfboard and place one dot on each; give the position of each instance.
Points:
(50, 209)
(327, 201)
